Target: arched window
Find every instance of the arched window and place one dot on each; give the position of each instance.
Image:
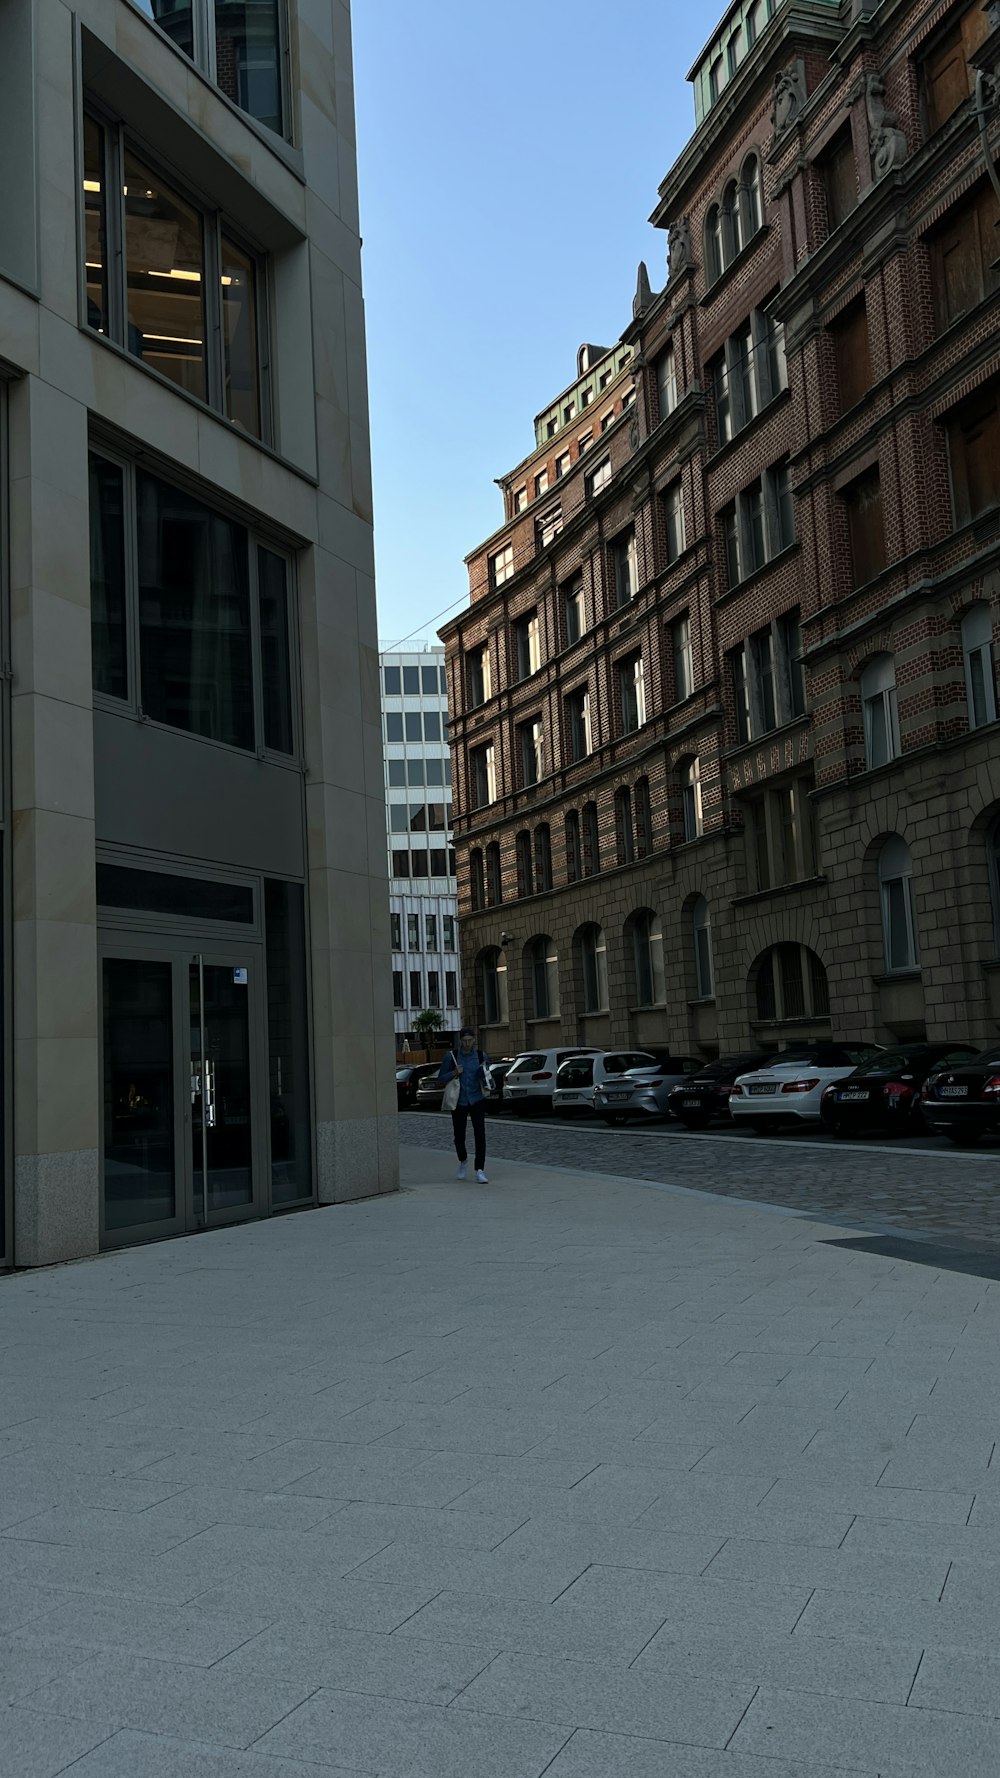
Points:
(494, 878)
(593, 949)
(543, 858)
(980, 673)
(574, 860)
(701, 929)
(522, 852)
(713, 245)
(732, 227)
(899, 925)
(543, 978)
(591, 841)
(690, 780)
(878, 706)
(646, 934)
(643, 819)
(993, 863)
(492, 984)
(790, 983)
(624, 829)
(750, 198)
(477, 890)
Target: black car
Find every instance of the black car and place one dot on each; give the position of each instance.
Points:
(884, 1092)
(408, 1079)
(706, 1095)
(962, 1100)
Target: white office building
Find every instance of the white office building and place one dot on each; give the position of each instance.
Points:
(422, 888)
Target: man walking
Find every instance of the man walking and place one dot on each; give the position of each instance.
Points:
(468, 1062)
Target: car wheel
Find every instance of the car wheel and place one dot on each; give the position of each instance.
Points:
(762, 1126)
(963, 1138)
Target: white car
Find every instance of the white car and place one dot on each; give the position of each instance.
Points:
(578, 1079)
(788, 1092)
(530, 1079)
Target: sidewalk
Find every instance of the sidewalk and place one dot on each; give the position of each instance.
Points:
(566, 1474)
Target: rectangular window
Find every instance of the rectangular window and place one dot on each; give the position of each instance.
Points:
(682, 658)
(396, 931)
(413, 725)
(849, 334)
(397, 987)
(767, 678)
(275, 659)
(584, 442)
(759, 524)
(562, 466)
(416, 989)
(973, 431)
(863, 506)
(549, 527)
(431, 926)
(502, 565)
(450, 988)
(631, 693)
(240, 345)
(413, 932)
(400, 864)
(840, 179)
(241, 47)
(573, 608)
(607, 420)
(963, 252)
(947, 78)
(411, 682)
(666, 382)
(623, 566)
(165, 302)
(748, 373)
(433, 987)
(520, 500)
(108, 596)
(448, 925)
(578, 724)
(598, 478)
(673, 520)
(532, 745)
(95, 217)
(483, 772)
(541, 483)
(527, 645)
(391, 681)
(480, 679)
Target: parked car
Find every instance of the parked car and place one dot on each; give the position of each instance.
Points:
(695, 1101)
(500, 1071)
(529, 1081)
(578, 1079)
(430, 1092)
(408, 1079)
(787, 1090)
(884, 1092)
(962, 1101)
(643, 1091)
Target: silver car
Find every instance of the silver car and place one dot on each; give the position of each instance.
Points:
(579, 1078)
(643, 1092)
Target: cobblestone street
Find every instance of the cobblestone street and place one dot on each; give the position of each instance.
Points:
(917, 1188)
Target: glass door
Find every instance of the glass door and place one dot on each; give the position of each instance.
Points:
(222, 1109)
(185, 1106)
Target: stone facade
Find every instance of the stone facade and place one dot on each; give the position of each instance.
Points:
(814, 667)
(67, 386)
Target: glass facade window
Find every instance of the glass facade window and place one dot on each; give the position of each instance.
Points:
(238, 43)
(175, 17)
(275, 662)
(391, 681)
(95, 217)
(241, 347)
(194, 616)
(165, 279)
(139, 1148)
(162, 892)
(108, 623)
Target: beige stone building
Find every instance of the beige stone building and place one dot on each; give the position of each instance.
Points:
(193, 822)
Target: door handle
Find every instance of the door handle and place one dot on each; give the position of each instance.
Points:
(209, 1095)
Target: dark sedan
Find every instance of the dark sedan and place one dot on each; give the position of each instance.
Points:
(962, 1101)
(884, 1093)
(706, 1095)
(408, 1079)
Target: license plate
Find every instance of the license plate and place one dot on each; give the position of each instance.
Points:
(569, 1098)
(616, 1098)
(953, 1092)
(691, 1104)
(852, 1095)
(515, 1091)
(762, 1086)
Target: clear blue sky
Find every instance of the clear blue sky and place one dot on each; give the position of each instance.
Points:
(509, 158)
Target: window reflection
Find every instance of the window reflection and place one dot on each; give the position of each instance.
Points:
(248, 57)
(95, 224)
(165, 271)
(288, 1042)
(107, 578)
(194, 616)
(239, 334)
(175, 17)
(272, 574)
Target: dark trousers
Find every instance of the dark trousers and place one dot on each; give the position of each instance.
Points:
(459, 1118)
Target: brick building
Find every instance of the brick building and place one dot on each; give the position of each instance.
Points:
(725, 738)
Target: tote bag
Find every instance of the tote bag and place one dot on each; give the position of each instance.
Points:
(449, 1101)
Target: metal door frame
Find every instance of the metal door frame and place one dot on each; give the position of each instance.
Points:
(179, 952)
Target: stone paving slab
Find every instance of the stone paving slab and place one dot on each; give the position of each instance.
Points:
(561, 1475)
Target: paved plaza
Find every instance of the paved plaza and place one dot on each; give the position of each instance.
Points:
(569, 1474)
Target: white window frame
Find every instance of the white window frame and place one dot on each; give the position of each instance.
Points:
(484, 775)
(980, 666)
(594, 960)
(532, 735)
(879, 710)
(682, 654)
(578, 710)
(895, 877)
(666, 381)
(673, 520)
(597, 478)
(632, 693)
(701, 934)
(502, 565)
(691, 805)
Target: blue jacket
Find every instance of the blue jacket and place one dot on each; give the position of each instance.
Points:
(472, 1090)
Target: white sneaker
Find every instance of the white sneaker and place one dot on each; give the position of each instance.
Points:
(461, 1172)
(481, 1177)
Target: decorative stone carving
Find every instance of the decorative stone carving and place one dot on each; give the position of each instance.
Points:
(633, 436)
(789, 96)
(643, 292)
(679, 256)
(888, 143)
